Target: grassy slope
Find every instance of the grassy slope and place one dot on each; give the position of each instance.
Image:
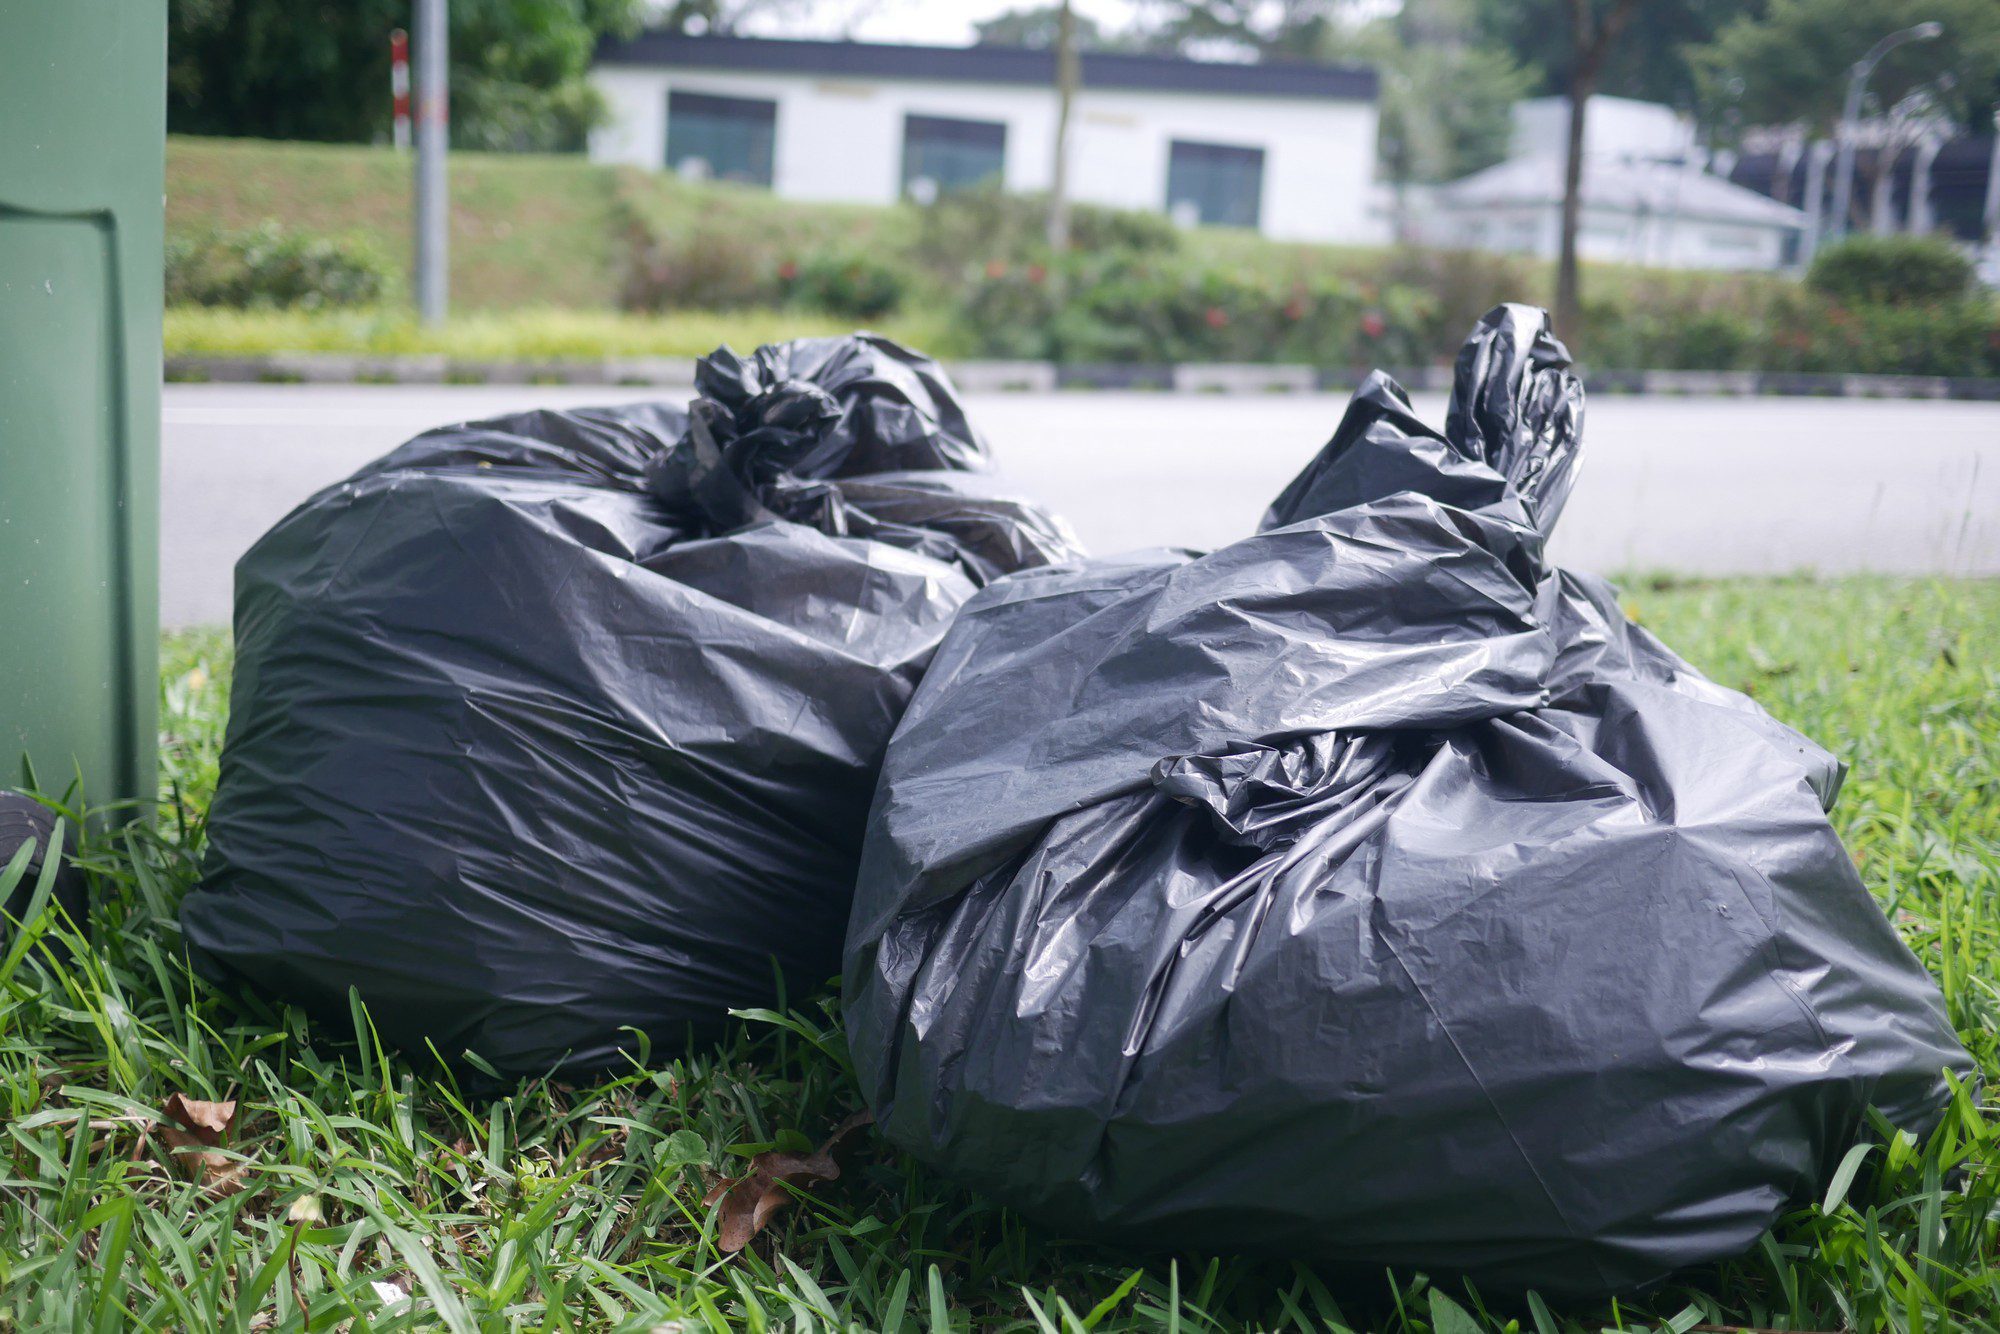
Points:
(539, 251)
(525, 229)
(532, 233)
(565, 1207)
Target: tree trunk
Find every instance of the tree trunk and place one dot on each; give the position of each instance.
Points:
(1591, 39)
(1069, 75)
(1568, 296)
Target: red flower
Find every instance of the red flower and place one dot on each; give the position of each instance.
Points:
(1216, 317)
(1295, 309)
(1036, 273)
(788, 270)
(1374, 325)
(996, 268)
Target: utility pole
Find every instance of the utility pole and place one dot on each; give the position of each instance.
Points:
(433, 126)
(1850, 114)
(1069, 74)
(1817, 153)
(1989, 217)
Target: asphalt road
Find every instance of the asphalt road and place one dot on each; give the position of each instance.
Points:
(1709, 486)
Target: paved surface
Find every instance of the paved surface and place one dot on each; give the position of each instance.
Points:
(1717, 486)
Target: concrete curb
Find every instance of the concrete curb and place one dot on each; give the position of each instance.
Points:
(1042, 376)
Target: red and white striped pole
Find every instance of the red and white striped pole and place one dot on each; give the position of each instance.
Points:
(399, 86)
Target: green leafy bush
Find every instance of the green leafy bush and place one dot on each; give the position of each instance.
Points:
(268, 267)
(964, 230)
(854, 283)
(1645, 330)
(1891, 271)
(1960, 338)
(709, 264)
(1126, 306)
(1461, 285)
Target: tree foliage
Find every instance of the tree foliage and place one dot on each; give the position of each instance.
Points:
(1650, 61)
(1036, 25)
(279, 69)
(1446, 101)
(1789, 63)
(1446, 94)
(721, 17)
(1262, 29)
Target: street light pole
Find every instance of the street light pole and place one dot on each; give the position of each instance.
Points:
(1989, 217)
(1850, 115)
(433, 124)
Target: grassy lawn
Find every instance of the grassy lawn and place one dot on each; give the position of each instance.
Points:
(359, 1186)
(530, 335)
(526, 228)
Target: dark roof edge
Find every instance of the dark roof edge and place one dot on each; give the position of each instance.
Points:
(993, 64)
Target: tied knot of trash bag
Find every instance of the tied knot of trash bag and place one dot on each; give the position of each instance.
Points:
(772, 437)
(1509, 449)
(1267, 797)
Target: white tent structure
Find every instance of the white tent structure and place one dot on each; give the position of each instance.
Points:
(1647, 197)
(1661, 214)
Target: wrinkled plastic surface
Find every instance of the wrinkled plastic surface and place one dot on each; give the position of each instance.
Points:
(565, 723)
(1370, 892)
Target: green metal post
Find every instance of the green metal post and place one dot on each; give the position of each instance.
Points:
(82, 139)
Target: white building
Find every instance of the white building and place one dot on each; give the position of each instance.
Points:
(1288, 149)
(1647, 197)
(1617, 127)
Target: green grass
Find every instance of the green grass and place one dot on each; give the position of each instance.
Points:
(534, 335)
(532, 233)
(580, 1207)
(526, 229)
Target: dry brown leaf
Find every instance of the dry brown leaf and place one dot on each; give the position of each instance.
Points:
(208, 1121)
(750, 1201)
(194, 1132)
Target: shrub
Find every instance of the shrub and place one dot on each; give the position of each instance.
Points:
(1463, 285)
(1892, 270)
(854, 283)
(1811, 333)
(1135, 307)
(1650, 329)
(268, 267)
(963, 230)
(1096, 227)
(709, 264)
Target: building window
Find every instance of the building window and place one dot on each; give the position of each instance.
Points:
(720, 138)
(941, 154)
(1216, 184)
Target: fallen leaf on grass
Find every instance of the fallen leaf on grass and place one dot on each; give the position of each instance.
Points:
(749, 1202)
(194, 1132)
(209, 1120)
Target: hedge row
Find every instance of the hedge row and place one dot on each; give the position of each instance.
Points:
(1136, 290)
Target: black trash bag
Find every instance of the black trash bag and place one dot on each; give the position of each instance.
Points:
(565, 724)
(1370, 893)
